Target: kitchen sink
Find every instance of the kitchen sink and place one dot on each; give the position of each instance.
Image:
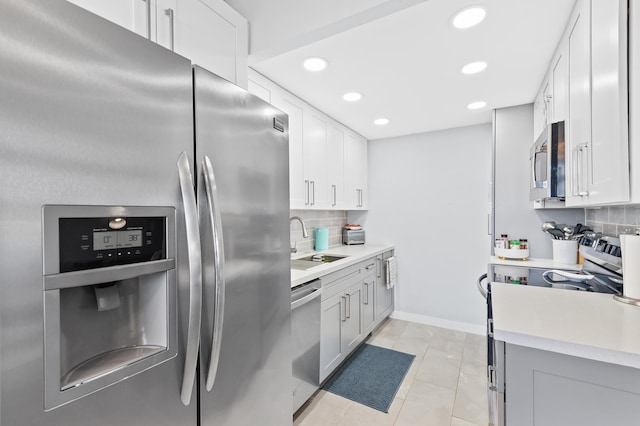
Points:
(312, 261)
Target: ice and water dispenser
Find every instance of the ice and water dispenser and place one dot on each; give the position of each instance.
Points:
(109, 296)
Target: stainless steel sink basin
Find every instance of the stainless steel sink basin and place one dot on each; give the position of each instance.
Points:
(312, 261)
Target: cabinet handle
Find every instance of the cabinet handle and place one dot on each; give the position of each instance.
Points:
(306, 193)
(335, 199)
(313, 191)
(344, 302)
(148, 12)
(366, 294)
(582, 148)
(369, 266)
(490, 327)
(348, 307)
(169, 13)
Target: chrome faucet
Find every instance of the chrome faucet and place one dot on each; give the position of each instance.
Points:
(305, 234)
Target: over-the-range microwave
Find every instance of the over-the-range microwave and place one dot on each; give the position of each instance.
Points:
(548, 164)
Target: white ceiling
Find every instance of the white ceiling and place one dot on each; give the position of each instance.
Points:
(405, 57)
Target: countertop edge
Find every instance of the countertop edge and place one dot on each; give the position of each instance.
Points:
(581, 324)
(356, 253)
(568, 348)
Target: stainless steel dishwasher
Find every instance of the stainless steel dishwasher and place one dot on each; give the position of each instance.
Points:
(305, 329)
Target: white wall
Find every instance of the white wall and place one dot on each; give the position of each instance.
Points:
(428, 196)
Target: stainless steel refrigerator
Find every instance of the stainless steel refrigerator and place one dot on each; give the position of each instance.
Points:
(144, 264)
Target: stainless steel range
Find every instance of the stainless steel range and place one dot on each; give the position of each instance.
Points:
(601, 272)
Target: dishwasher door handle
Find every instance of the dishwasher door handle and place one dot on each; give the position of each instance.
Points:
(306, 299)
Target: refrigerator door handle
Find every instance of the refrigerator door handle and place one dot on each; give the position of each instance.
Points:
(195, 277)
(213, 207)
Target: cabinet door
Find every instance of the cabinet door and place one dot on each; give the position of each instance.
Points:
(335, 165)
(297, 185)
(384, 295)
(331, 334)
(210, 33)
(609, 149)
(546, 388)
(134, 15)
(356, 172)
(560, 81)
(579, 128)
(538, 114)
(315, 155)
(352, 327)
(368, 303)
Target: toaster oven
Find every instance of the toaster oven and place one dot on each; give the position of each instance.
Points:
(351, 236)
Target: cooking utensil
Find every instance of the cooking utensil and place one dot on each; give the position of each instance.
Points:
(548, 225)
(568, 232)
(577, 229)
(556, 233)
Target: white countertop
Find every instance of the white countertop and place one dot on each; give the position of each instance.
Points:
(535, 263)
(355, 253)
(577, 323)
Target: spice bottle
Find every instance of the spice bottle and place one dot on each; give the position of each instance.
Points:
(514, 244)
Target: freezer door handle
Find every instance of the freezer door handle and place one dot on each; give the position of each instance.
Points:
(195, 277)
(213, 208)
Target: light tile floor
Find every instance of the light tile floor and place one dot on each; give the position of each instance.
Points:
(445, 386)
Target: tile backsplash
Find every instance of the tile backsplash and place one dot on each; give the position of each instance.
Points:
(332, 219)
(614, 220)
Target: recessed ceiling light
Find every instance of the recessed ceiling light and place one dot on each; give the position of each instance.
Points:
(477, 105)
(315, 64)
(474, 67)
(352, 96)
(381, 121)
(468, 17)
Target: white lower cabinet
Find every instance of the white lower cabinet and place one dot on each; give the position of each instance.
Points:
(383, 295)
(340, 325)
(368, 303)
(546, 388)
(354, 303)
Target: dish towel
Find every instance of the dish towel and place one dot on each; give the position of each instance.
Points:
(391, 271)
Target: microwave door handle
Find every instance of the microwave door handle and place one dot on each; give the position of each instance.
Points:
(194, 254)
(213, 207)
(534, 157)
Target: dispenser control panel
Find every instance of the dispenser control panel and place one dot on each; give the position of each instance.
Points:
(87, 243)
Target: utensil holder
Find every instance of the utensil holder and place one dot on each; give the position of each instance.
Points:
(565, 251)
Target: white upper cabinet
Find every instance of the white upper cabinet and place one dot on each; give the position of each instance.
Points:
(579, 126)
(560, 84)
(336, 165)
(134, 15)
(211, 34)
(598, 145)
(208, 32)
(314, 146)
(298, 185)
(356, 172)
(327, 161)
(609, 154)
(634, 99)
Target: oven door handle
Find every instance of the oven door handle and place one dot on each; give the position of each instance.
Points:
(481, 289)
